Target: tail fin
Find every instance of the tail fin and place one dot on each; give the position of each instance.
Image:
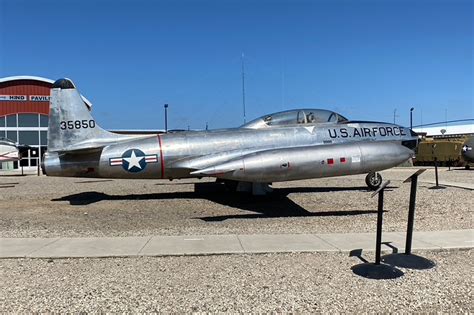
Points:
(71, 125)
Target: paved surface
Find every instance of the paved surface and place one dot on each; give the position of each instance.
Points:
(225, 244)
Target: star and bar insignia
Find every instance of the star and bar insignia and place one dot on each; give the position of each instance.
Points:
(133, 160)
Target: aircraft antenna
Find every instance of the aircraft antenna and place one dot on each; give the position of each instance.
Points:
(243, 86)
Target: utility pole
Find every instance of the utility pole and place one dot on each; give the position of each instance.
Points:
(395, 116)
(282, 89)
(446, 118)
(243, 86)
(421, 119)
(166, 118)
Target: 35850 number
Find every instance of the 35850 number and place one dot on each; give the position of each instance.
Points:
(77, 124)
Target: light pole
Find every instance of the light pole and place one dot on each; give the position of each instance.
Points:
(411, 117)
(243, 86)
(166, 118)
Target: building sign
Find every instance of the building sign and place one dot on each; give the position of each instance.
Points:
(40, 98)
(13, 98)
(24, 98)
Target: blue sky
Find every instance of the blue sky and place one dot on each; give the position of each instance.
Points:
(363, 59)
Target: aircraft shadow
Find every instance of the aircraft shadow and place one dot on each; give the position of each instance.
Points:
(463, 169)
(177, 183)
(329, 189)
(8, 185)
(278, 204)
(275, 205)
(94, 181)
(16, 175)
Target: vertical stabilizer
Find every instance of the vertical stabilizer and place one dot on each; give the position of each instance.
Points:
(71, 125)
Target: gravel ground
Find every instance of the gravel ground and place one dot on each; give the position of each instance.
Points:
(317, 282)
(32, 206)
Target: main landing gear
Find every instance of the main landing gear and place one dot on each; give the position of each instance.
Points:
(256, 189)
(373, 180)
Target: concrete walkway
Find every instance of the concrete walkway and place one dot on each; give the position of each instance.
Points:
(225, 244)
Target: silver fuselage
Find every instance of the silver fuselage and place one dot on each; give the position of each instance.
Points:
(253, 155)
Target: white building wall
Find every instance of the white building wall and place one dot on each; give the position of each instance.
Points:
(450, 130)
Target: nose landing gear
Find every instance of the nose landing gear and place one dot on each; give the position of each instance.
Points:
(373, 180)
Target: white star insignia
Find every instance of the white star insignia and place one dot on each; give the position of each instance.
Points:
(133, 160)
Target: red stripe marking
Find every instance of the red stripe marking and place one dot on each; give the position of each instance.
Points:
(162, 158)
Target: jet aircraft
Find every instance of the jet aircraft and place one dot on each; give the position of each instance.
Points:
(9, 150)
(284, 146)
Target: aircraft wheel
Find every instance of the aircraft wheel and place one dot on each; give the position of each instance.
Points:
(373, 180)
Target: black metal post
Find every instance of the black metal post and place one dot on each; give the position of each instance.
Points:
(379, 228)
(166, 117)
(411, 117)
(436, 171)
(411, 214)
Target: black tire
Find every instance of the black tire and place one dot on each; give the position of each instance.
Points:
(373, 180)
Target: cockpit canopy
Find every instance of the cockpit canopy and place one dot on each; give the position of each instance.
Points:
(296, 117)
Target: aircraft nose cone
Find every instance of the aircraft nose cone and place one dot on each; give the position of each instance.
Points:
(63, 83)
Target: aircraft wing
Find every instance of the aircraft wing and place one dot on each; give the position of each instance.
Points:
(221, 163)
(200, 163)
(215, 170)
